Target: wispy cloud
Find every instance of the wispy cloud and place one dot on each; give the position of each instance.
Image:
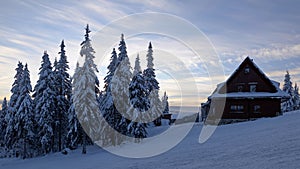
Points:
(277, 52)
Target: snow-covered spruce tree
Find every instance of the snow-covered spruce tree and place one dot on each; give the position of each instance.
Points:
(288, 88)
(75, 131)
(111, 70)
(120, 86)
(296, 99)
(10, 133)
(165, 103)
(139, 102)
(152, 86)
(85, 94)
(88, 52)
(45, 105)
(108, 109)
(24, 118)
(63, 93)
(55, 127)
(3, 122)
(137, 66)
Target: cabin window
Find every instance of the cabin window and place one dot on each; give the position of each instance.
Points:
(256, 108)
(247, 70)
(237, 108)
(252, 88)
(240, 88)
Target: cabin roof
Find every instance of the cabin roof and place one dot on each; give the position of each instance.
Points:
(278, 94)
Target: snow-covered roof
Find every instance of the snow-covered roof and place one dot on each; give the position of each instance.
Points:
(278, 94)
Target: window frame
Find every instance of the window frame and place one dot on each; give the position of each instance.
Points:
(237, 108)
(257, 108)
(246, 70)
(252, 86)
(240, 87)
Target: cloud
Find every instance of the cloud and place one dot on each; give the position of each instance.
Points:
(277, 52)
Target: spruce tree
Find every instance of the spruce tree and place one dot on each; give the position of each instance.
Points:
(85, 94)
(88, 52)
(42, 84)
(288, 88)
(24, 117)
(165, 103)
(13, 105)
(120, 87)
(56, 111)
(45, 105)
(296, 99)
(63, 94)
(288, 85)
(75, 131)
(111, 70)
(108, 109)
(3, 122)
(139, 102)
(149, 72)
(152, 86)
(10, 133)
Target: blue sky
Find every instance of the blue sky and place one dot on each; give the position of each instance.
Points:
(267, 31)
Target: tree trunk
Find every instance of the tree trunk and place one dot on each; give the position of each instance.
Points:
(84, 144)
(24, 149)
(59, 133)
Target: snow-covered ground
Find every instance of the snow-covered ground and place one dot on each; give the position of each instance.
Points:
(264, 143)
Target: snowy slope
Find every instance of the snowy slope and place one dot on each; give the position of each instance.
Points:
(264, 143)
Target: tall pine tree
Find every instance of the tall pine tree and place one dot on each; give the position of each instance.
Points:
(139, 102)
(296, 99)
(152, 86)
(10, 133)
(288, 88)
(24, 124)
(45, 105)
(108, 109)
(3, 122)
(165, 103)
(120, 86)
(75, 131)
(85, 94)
(63, 94)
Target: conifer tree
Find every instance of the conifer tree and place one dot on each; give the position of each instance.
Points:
(111, 70)
(42, 83)
(108, 109)
(3, 122)
(84, 95)
(120, 86)
(56, 123)
(165, 103)
(88, 52)
(10, 133)
(75, 131)
(288, 88)
(296, 99)
(63, 94)
(288, 85)
(152, 86)
(45, 105)
(139, 102)
(24, 124)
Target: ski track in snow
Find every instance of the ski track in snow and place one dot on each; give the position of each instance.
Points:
(264, 143)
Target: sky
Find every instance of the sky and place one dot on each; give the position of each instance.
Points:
(196, 43)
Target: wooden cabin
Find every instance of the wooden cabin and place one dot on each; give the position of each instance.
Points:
(247, 94)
